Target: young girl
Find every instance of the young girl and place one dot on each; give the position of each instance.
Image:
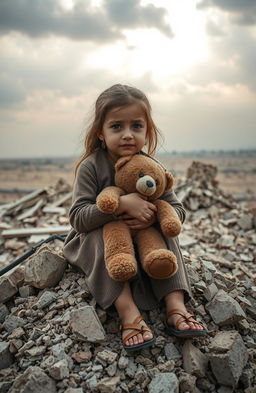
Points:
(123, 126)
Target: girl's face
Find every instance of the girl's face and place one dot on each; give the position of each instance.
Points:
(124, 131)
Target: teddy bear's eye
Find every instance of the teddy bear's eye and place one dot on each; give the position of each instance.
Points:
(141, 174)
(157, 182)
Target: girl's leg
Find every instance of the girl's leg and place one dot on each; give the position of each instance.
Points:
(128, 311)
(175, 300)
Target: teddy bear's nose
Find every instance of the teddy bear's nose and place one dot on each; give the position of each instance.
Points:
(149, 183)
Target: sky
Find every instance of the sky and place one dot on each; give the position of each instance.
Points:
(195, 60)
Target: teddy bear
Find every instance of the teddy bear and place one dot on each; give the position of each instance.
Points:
(141, 174)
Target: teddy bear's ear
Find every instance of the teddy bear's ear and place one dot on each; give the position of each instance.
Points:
(121, 162)
(169, 181)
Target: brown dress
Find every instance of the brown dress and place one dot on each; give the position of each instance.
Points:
(84, 247)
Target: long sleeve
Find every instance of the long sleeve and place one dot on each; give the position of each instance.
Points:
(171, 198)
(84, 215)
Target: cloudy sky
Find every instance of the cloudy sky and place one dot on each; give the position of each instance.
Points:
(195, 60)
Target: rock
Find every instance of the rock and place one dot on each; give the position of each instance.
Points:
(187, 383)
(33, 380)
(45, 268)
(45, 300)
(6, 358)
(108, 385)
(85, 325)
(194, 361)
(228, 356)
(12, 322)
(106, 356)
(171, 352)
(82, 356)
(164, 383)
(3, 312)
(74, 390)
(59, 370)
(224, 309)
(7, 289)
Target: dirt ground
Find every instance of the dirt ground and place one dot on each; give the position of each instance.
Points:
(236, 172)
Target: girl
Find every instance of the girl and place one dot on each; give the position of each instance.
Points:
(122, 126)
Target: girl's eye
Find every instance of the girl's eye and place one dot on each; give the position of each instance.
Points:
(115, 126)
(141, 174)
(137, 125)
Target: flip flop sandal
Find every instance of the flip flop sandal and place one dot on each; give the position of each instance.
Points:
(188, 317)
(136, 329)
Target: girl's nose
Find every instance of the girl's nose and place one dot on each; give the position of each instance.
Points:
(127, 134)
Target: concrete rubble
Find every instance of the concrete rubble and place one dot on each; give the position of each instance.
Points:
(54, 338)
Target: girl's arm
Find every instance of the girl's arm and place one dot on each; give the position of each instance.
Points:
(171, 198)
(84, 215)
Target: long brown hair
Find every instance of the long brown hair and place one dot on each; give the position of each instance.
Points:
(114, 97)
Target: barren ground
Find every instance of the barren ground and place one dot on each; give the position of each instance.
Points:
(236, 172)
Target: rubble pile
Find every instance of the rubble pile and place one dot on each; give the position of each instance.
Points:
(55, 339)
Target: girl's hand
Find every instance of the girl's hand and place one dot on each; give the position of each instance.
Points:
(134, 223)
(136, 206)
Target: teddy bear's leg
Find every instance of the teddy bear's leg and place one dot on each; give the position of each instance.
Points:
(157, 260)
(119, 251)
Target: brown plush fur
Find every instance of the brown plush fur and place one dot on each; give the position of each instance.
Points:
(134, 174)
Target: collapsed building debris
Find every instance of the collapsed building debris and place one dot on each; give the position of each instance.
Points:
(55, 337)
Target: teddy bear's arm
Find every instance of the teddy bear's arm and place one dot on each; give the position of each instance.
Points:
(168, 218)
(108, 199)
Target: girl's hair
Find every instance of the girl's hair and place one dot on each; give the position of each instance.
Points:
(117, 96)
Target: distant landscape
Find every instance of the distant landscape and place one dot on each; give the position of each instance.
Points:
(236, 171)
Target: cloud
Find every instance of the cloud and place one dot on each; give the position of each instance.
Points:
(37, 18)
(241, 11)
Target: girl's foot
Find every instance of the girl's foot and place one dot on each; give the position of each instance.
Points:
(185, 324)
(138, 338)
(179, 321)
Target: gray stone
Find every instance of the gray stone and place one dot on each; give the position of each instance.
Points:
(3, 312)
(86, 326)
(26, 291)
(58, 351)
(171, 352)
(74, 390)
(6, 358)
(45, 300)
(187, 383)
(45, 269)
(164, 383)
(12, 322)
(245, 222)
(108, 385)
(7, 289)
(228, 356)
(33, 380)
(107, 356)
(210, 291)
(194, 361)
(59, 370)
(224, 309)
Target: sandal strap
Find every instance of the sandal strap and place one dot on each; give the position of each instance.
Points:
(183, 317)
(136, 329)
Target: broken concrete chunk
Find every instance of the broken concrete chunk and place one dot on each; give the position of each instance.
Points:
(6, 358)
(45, 269)
(228, 356)
(7, 289)
(164, 383)
(108, 385)
(59, 370)
(45, 300)
(86, 326)
(194, 361)
(33, 379)
(224, 309)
